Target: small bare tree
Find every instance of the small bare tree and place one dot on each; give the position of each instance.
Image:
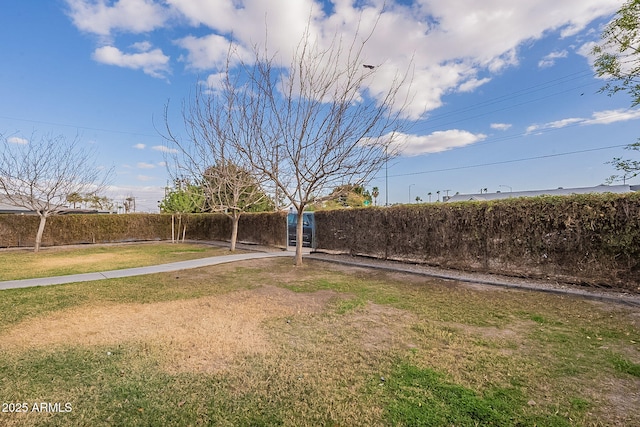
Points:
(209, 156)
(40, 174)
(314, 125)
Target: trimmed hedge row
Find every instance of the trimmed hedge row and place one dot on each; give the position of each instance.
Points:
(20, 230)
(265, 228)
(589, 239)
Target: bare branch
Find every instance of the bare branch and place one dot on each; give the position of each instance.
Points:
(41, 174)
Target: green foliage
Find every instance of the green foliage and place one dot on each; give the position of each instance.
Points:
(348, 196)
(375, 192)
(186, 198)
(75, 199)
(97, 202)
(422, 397)
(618, 60)
(625, 366)
(630, 168)
(618, 57)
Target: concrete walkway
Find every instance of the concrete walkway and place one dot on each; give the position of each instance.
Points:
(392, 266)
(138, 271)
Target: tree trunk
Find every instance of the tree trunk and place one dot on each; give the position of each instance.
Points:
(43, 221)
(299, 238)
(235, 219)
(184, 231)
(173, 226)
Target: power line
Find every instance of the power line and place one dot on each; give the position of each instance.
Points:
(512, 95)
(80, 127)
(509, 161)
(544, 130)
(508, 107)
(521, 92)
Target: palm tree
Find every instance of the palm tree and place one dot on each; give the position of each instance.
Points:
(375, 192)
(438, 192)
(418, 199)
(429, 194)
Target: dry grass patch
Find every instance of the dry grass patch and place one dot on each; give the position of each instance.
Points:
(265, 343)
(194, 335)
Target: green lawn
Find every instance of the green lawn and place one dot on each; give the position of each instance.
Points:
(263, 343)
(59, 261)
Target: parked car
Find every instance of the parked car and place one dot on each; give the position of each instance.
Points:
(307, 229)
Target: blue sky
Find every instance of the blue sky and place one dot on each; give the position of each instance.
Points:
(507, 86)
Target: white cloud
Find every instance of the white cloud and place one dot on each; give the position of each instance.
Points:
(153, 62)
(612, 116)
(472, 84)
(450, 45)
(144, 46)
(144, 178)
(550, 59)
(447, 46)
(101, 18)
(214, 81)
(164, 149)
(162, 164)
(598, 118)
(139, 146)
(17, 140)
(500, 126)
(586, 49)
(210, 52)
(414, 145)
(563, 123)
(143, 165)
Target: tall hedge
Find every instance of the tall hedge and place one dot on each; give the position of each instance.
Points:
(590, 239)
(265, 228)
(20, 230)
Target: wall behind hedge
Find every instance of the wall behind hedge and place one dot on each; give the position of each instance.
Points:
(591, 239)
(20, 230)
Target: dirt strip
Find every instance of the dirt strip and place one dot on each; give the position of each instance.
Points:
(537, 285)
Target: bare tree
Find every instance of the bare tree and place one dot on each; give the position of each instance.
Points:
(40, 174)
(313, 124)
(209, 156)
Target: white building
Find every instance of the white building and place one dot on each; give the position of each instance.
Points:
(617, 189)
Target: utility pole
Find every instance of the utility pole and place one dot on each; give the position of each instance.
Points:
(386, 176)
